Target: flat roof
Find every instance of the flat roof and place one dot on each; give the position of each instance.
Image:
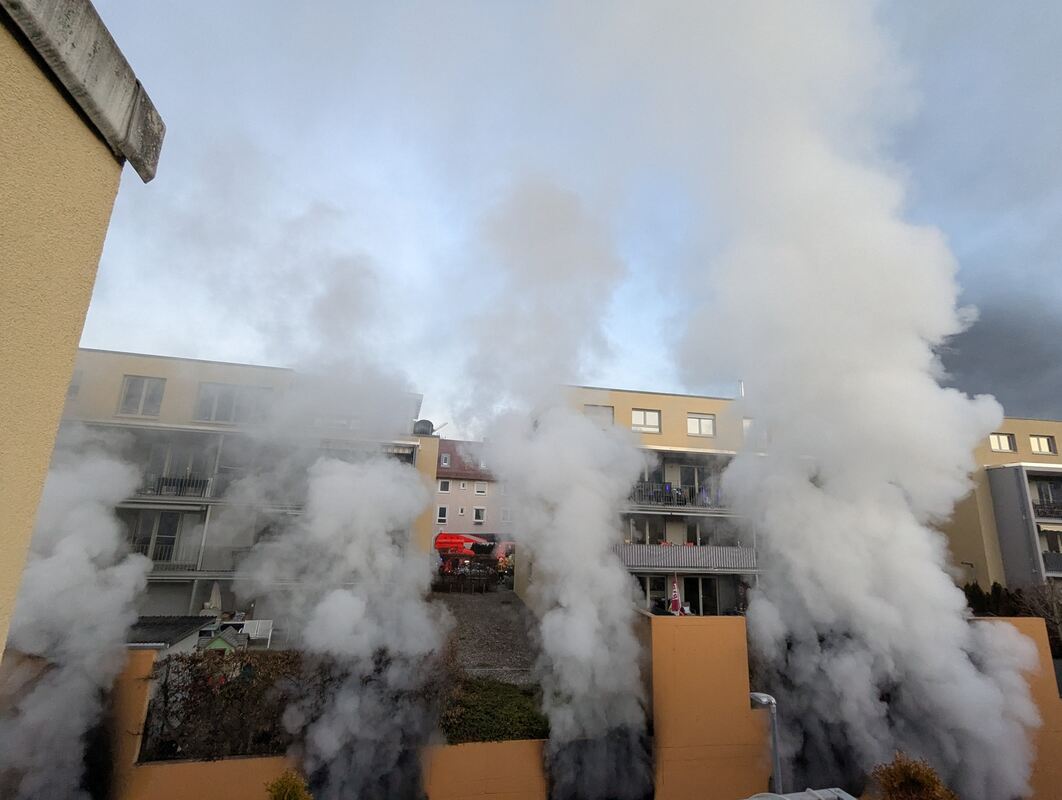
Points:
(650, 391)
(182, 358)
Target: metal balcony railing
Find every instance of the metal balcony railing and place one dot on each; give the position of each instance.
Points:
(1052, 562)
(690, 558)
(174, 486)
(167, 557)
(673, 494)
(1048, 509)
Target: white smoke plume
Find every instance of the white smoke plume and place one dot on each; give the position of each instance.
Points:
(74, 608)
(356, 594)
(551, 270)
(567, 477)
(830, 306)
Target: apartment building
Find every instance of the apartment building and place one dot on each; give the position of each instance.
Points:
(1009, 528)
(194, 429)
(677, 527)
(468, 500)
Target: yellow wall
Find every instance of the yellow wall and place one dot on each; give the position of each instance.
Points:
(673, 409)
(427, 463)
(101, 373)
(710, 745)
(59, 183)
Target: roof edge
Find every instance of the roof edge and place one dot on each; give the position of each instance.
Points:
(72, 40)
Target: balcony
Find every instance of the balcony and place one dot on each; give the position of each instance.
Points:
(174, 486)
(1052, 562)
(672, 495)
(1048, 509)
(687, 558)
(168, 557)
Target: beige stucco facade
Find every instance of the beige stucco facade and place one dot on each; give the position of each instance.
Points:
(58, 185)
(971, 531)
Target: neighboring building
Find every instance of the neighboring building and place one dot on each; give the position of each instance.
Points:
(167, 635)
(194, 428)
(468, 500)
(676, 525)
(1009, 529)
(71, 113)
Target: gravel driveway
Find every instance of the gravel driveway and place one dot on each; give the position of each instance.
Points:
(492, 634)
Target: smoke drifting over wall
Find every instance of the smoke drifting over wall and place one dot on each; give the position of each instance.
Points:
(346, 581)
(74, 609)
(567, 477)
(832, 307)
(551, 271)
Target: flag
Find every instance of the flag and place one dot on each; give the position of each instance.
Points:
(676, 604)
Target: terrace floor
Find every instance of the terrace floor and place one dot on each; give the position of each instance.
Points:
(493, 635)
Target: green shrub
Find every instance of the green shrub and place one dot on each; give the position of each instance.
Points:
(906, 778)
(485, 710)
(289, 786)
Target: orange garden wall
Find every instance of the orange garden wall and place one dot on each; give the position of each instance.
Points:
(708, 743)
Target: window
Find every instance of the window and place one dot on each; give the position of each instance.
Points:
(461, 511)
(444, 459)
(481, 488)
(464, 484)
(479, 515)
(506, 515)
(1043, 445)
(440, 515)
(1002, 442)
(444, 487)
(222, 402)
(700, 424)
(604, 416)
(746, 427)
(645, 420)
(141, 396)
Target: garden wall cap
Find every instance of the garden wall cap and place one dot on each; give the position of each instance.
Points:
(70, 37)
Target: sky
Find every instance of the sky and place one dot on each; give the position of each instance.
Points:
(329, 177)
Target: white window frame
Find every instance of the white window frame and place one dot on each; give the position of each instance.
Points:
(460, 511)
(447, 489)
(995, 438)
(464, 484)
(644, 426)
(700, 418)
(1052, 446)
(506, 515)
(477, 486)
(139, 412)
(442, 514)
(481, 511)
(444, 460)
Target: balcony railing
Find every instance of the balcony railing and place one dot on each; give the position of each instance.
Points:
(1048, 509)
(674, 495)
(167, 557)
(688, 558)
(174, 486)
(1052, 562)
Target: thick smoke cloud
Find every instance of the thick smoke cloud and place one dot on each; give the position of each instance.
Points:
(552, 270)
(344, 578)
(832, 307)
(73, 611)
(567, 477)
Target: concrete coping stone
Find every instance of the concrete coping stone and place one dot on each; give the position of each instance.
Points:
(72, 40)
